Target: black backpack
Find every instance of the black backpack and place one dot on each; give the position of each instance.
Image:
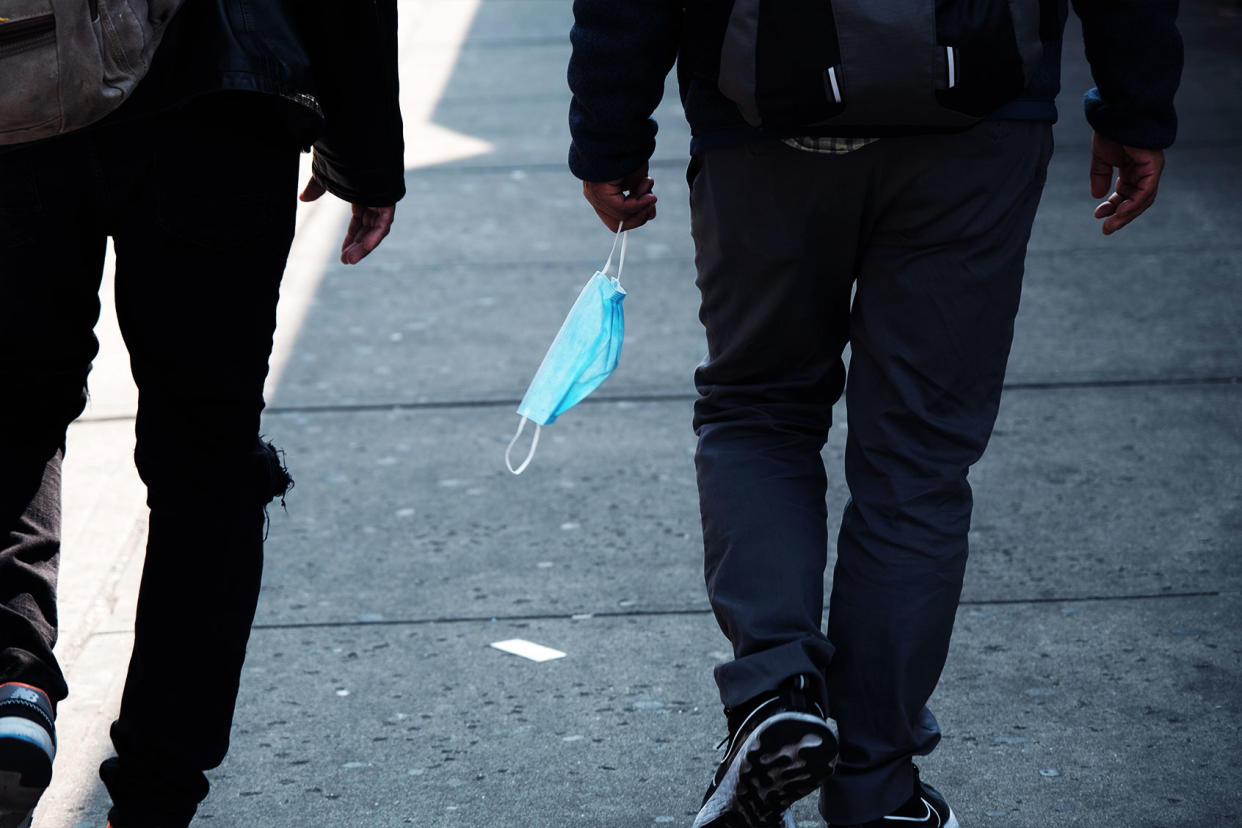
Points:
(866, 66)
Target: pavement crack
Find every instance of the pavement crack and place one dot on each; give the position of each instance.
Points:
(676, 612)
(1087, 599)
(507, 402)
(1133, 382)
(681, 396)
(689, 397)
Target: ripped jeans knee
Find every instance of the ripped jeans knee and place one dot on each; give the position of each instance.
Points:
(253, 477)
(277, 481)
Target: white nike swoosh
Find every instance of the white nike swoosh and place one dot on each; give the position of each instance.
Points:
(927, 817)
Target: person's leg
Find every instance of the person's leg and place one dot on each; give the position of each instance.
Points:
(938, 287)
(51, 259)
(775, 232)
(774, 251)
(199, 262)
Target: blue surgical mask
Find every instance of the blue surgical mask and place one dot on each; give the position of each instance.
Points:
(581, 357)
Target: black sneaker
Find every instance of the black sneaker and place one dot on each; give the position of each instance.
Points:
(780, 748)
(27, 746)
(925, 808)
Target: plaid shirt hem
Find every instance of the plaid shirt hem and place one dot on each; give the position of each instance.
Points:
(828, 144)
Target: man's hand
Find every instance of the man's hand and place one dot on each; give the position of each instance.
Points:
(1138, 176)
(366, 230)
(627, 199)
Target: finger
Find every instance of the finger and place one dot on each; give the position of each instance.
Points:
(594, 190)
(614, 206)
(613, 210)
(1131, 200)
(1136, 207)
(1138, 194)
(609, 203)
(377, 225)
(617, 203)
(351, 233)
(1101, 176)
(1127, 212)
(610, 221)
(608, 212)
(1113, 224)
(643, 188)
(641, 204)
(375, 233)
(636, 205)
(313, 190)
(354, 254)
(610, 192)
(638, 219)
(633, 180)
(613, 221)
(636, 215)
(1110, 206)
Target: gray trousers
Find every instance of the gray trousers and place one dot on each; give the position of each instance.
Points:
(932, 231)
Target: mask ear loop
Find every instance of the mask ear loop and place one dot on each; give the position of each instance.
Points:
(530, 455)
(624, 238)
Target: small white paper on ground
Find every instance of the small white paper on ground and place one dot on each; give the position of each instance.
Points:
(528, 649)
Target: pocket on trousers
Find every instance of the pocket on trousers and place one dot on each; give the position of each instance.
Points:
(692, 170)
(1001, 129)
(226, 173)
(21, 210)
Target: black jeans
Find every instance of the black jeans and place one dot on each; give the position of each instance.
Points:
(200, 204)
(932, 231)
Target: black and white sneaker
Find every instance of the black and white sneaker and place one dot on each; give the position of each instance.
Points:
(780, 748)
(925, 808)
(27, 747)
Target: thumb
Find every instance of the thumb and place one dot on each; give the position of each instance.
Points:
(314, 189)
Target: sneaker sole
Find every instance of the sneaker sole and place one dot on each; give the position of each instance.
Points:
(17, 801)
(951, 821)
(25, 772)
(787, 757)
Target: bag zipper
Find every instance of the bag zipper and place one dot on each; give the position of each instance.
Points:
(22, 34)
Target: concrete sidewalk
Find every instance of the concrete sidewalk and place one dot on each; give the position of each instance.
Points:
(1095, 672)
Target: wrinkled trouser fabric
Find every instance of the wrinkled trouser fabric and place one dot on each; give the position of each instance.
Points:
(931, 232)
(201, 206)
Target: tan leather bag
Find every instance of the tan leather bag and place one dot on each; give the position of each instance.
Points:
(64, 64)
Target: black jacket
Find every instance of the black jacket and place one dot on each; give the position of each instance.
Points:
(330, 65)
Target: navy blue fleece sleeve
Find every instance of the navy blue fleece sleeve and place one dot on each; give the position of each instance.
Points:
(1135, 52)
(622, 51)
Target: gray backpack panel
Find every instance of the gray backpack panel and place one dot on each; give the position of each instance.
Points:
(66, 64)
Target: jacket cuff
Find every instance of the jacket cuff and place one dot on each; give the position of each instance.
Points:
(367, 187)
(1149, 130)
(606, 164)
